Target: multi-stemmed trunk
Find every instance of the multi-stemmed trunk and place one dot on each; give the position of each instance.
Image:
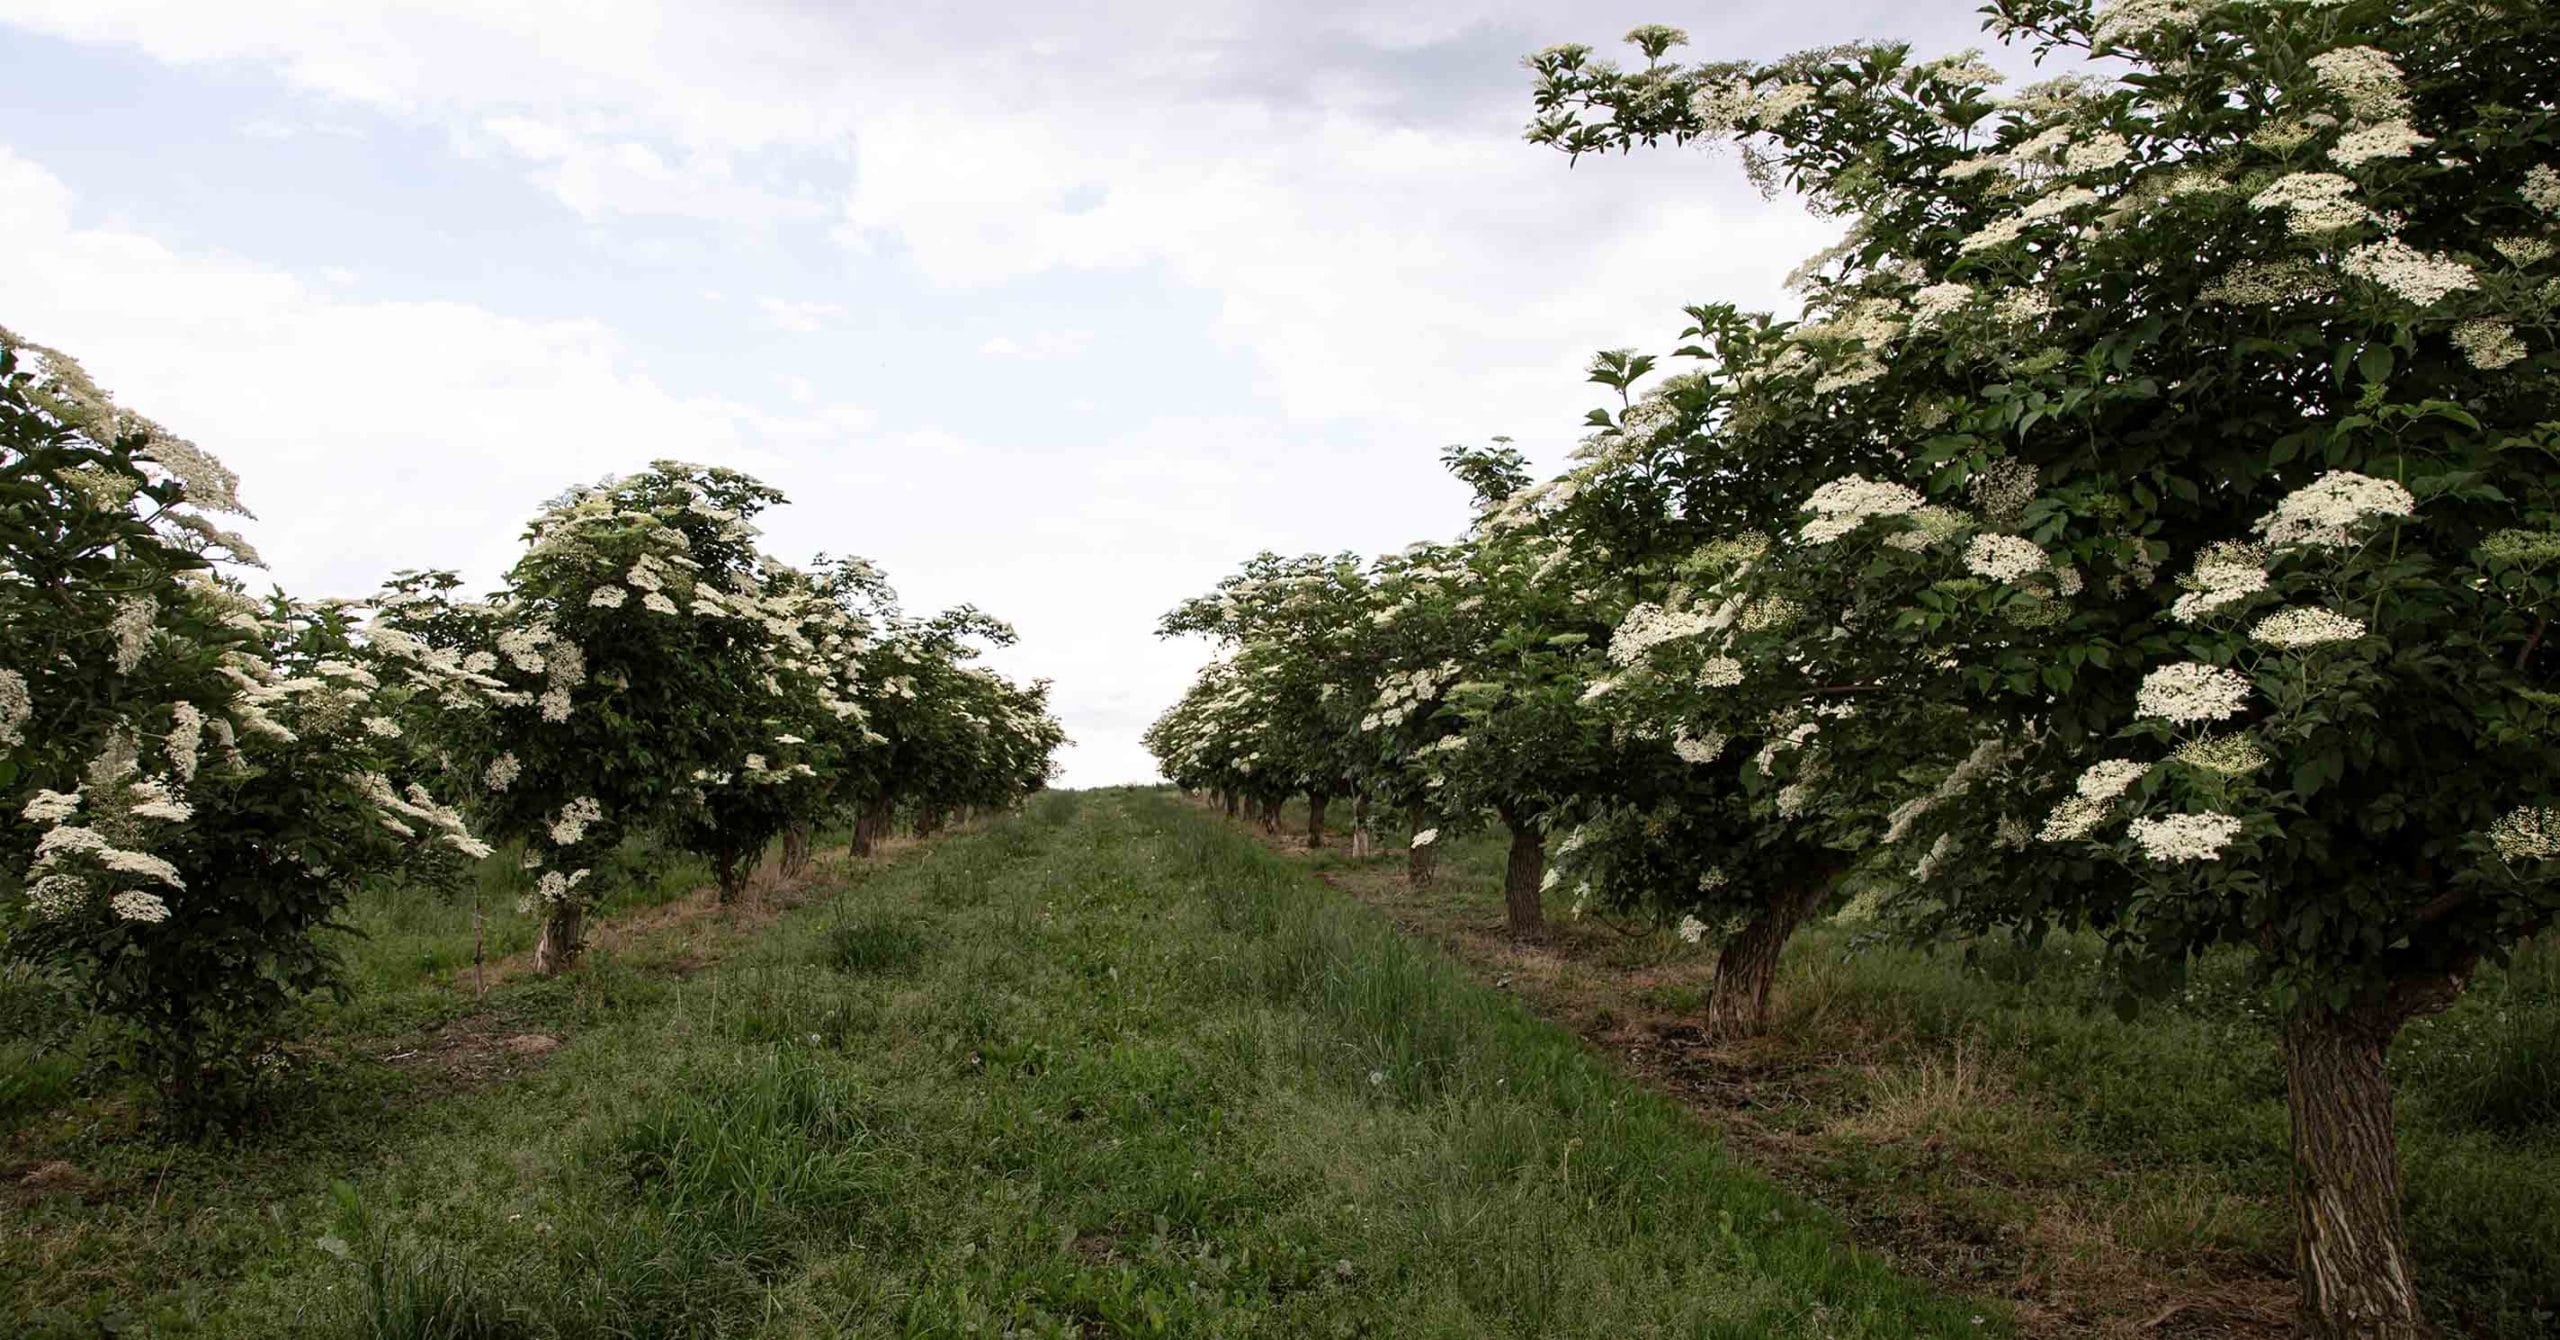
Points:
(1270, 807)
(1421, 859)
(1524, 876)
(795, 851)
(1317, 801)
(1746, 968)
(1233, 803)
(1360, 839)
(870, 826)
(559, 946)
(2350, 1252)
(731, 866)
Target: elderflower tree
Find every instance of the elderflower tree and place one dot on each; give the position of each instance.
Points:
(1298, 634)
(193, 785)
(625, 676)
(955, 735)
(1528, 739)
(2221, 379)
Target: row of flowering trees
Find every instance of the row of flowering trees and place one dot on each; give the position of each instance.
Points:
(2151, 526)
(196, 780)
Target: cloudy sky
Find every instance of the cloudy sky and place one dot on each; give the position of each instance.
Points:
(1062, 309)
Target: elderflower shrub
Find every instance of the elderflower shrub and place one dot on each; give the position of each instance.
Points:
(2343, 193)
(198, 780)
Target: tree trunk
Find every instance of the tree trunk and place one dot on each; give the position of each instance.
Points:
(1738, 1003)
(795, 851)
(730, 868)
(1421, 864)
(560, 945)
(1360, 840)
(2350, 1252)
(1316, 803)
(873, 824)
(1271, 808)
(1233, 803)
(1521, 877)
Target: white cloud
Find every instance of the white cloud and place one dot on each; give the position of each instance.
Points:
(1039, 345)
(370, 436)
(798, 315)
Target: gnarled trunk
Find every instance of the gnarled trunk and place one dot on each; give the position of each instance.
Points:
(1361, 841)
(2350, 1253)
(731, 868)
(1421, 863)
(795, 851)
(560, 945)
(1271, 807)
(1738, 1003)
(1521, 877)
(1317, 801)
(873, 824)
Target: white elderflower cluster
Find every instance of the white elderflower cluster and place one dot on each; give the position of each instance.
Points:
(2004, 558)
(554, 888)
(2074, 819)
(1930, 526)
(1648, 626)
(607, 597)
(131, 627)
(186, 738)
(1937, 302)
(2190, 692)
(2296, 628)
(2366, 79)
(2173, 838)
(2269, 284)
(2525, 252)
(2097, 152)
(1843, 504)
(2111, 778)
(1691, 930)
(2386, 139)
(2314, 202)
(1934, 859)
(2324, 512)
(570, 826)
(1720, 672)
(1404, 692)
(1698, 749)
(2420, 278)
(2126, 21)
(135, 905)
(555, 703)
(16, 705)
(2223, 755)
(2541, 188)
(2002, 489)
(2529, 833)
(1425, 838)
(2488, 345)
(1997, 233)
(51, 807)
(2224, 575)
(656, 602)
(1768, 613)
(501, 772)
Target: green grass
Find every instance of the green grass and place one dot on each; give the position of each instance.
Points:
(1974, 1091)
(1104, 1068)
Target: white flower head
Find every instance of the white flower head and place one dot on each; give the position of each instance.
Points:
(2528, 833)
(2190, 692)
(1425, 838)
(2174, 838)
(1691, 930)
(2296, 628)
(2324, 512)
(2110, 779)
(134, 905)
(2004, 558)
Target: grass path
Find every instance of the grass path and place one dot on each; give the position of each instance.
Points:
(1108, 1068)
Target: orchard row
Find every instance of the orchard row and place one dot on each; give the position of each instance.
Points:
(2151, 526)
(197, 778)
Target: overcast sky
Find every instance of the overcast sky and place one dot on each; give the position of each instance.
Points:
(1060, 309)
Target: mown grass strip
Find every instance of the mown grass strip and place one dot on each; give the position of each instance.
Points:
(1105, 1068)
